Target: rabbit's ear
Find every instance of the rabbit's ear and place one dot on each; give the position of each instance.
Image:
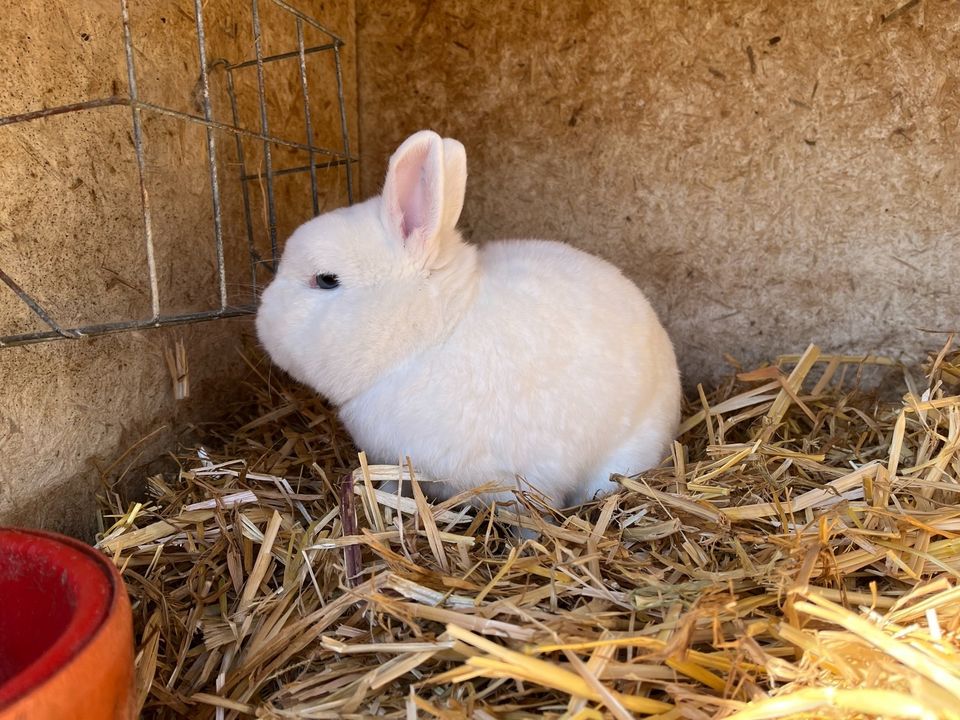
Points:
(454, 181)
(413, 193)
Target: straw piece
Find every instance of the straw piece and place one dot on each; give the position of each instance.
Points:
(883, 703)
(425, 515)
(829, 495)
(691, 507)
(408, 506)
(373, 508)
(743, 400)
(654, 531)
(260, 566)
(244, 497)
(513, 664)
(602, 692)
(342, 648)
(146, 661)
(209, 699)
(471, 622)
(792, 385)
(896, 443)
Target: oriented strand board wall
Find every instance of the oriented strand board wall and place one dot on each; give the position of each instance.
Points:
(771, 173)
(71, 230)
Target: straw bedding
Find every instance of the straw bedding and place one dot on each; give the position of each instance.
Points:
(797, 556)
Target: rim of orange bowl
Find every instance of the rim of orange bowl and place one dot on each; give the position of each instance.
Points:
(95, 583)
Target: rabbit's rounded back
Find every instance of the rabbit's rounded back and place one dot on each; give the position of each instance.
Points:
(526, 359)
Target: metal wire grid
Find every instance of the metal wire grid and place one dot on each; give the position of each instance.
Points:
(330, 158)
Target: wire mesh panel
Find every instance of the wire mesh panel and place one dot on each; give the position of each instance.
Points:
(164, 200)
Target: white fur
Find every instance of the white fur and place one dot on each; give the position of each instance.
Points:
(522, 359)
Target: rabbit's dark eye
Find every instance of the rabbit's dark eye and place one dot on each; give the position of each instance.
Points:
(325, 281)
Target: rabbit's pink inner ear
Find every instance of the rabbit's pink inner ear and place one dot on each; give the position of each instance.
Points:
(413, 202)
(414, 192)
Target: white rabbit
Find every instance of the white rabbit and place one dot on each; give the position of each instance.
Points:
(519, 359)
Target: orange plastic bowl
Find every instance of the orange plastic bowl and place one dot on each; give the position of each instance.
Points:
(66, 635)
